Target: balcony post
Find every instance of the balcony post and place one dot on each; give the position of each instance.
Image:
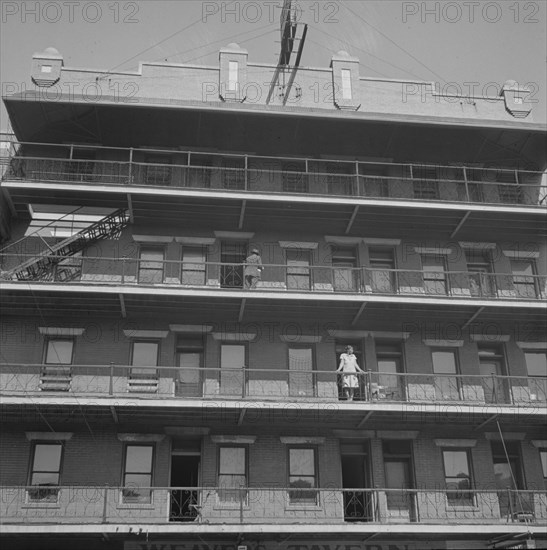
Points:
(111, 381)
(357, 179)
(466, 184)
(105, 502)
(510, 498)
(130, 166)
(368, 384)
(494, 388)
(246, 172)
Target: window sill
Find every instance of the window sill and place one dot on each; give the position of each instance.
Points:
(48, 505)
(136, 506)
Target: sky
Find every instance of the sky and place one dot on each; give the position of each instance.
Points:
(470, 47)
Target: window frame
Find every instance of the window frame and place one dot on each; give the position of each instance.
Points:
(242, 492)
(470, 501)
(315, 491)
(538, 380)
(51, 339)
(155, 247)
(123, 496)
(306, 254)
(445, 274)
(201, 265)
(44, 496)
(518, 284)
(446, 375)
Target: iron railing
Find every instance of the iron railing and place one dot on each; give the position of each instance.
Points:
(178, 383)
(301, 278)
(188, 169)
(279, 505)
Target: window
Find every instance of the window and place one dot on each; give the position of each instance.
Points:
(194, 266)
(382, 270)
(45, 472)
(425, 179)
(345, 274)
(298, 269)
(346, 84)
(302, 476)
(232, 474)
(295, 178)
(199, 171)
(457, 477)
(481, 282)
(300, 371)
(151, 263)
(445, 367)
(233, 76)
(56, 374)
(543, 459)
(137, 474)
(233, 173)
(524, 280)
(145, 355)
(340, 178)
(536, 366)
(158, 170)
(434, 274)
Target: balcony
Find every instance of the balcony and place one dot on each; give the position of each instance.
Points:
(265, 384)
(307, 279)
(175, 169)
(260, 505)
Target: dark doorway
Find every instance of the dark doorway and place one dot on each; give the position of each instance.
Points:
(184, 480)
(355, 481)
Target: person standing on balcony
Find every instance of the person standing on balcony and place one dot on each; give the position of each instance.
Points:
(349, 367)
(253, 269)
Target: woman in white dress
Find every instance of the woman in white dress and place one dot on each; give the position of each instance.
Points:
(350, 368)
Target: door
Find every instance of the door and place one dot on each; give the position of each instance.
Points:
(491, 370)
(389, 357)
(355, 476)
(300, 371)
(188, 381)
(399, 480)
(232, 369)
(345, 274)
(184, 501)
(298, 269)
(382, 271)
(232, 257)
(434, 275)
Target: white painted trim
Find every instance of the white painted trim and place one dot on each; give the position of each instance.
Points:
(509, 436)
(376, 334)
(146, 333)
(195, 329)
(335, 333)
(532, 345)
(234, 235)
(477, 246)
(241, 439)
(196, 241)
(342, 240)
(140, 438)
(521, 254)
(433, 250)
(397, 434)
(234, 336)
(490, 337)
(443, 343)
(61, 331)
(300, 339)
(300, 440)
(539, 443)
(372, 241)
(354, 434)
(49, 436)
(455, 442)
(186, 431)
(299, 244)
(161, 239)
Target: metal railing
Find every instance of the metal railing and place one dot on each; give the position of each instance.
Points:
(301, 278)
(177, 383)
(229, 172)
(278, 505)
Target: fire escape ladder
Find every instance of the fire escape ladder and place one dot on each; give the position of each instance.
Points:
(42, 265)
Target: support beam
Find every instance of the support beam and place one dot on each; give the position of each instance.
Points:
(242, 215)
(460, 225)
(473, 317)
(122, 306)
(352, 219)
(363, 422)
(358, 314)
(487, 421)
(241, 310)
(241, 417)
(114, 414)
(130, 208)
(296, 65)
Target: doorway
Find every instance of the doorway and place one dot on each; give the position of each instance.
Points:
(398, 469)
(184, 483)
(358, 501)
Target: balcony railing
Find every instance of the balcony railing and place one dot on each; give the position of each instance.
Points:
(177, 383)
(282, 277)
(228, 172)
(283, 505)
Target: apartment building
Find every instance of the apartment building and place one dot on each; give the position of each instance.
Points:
(152, 399)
